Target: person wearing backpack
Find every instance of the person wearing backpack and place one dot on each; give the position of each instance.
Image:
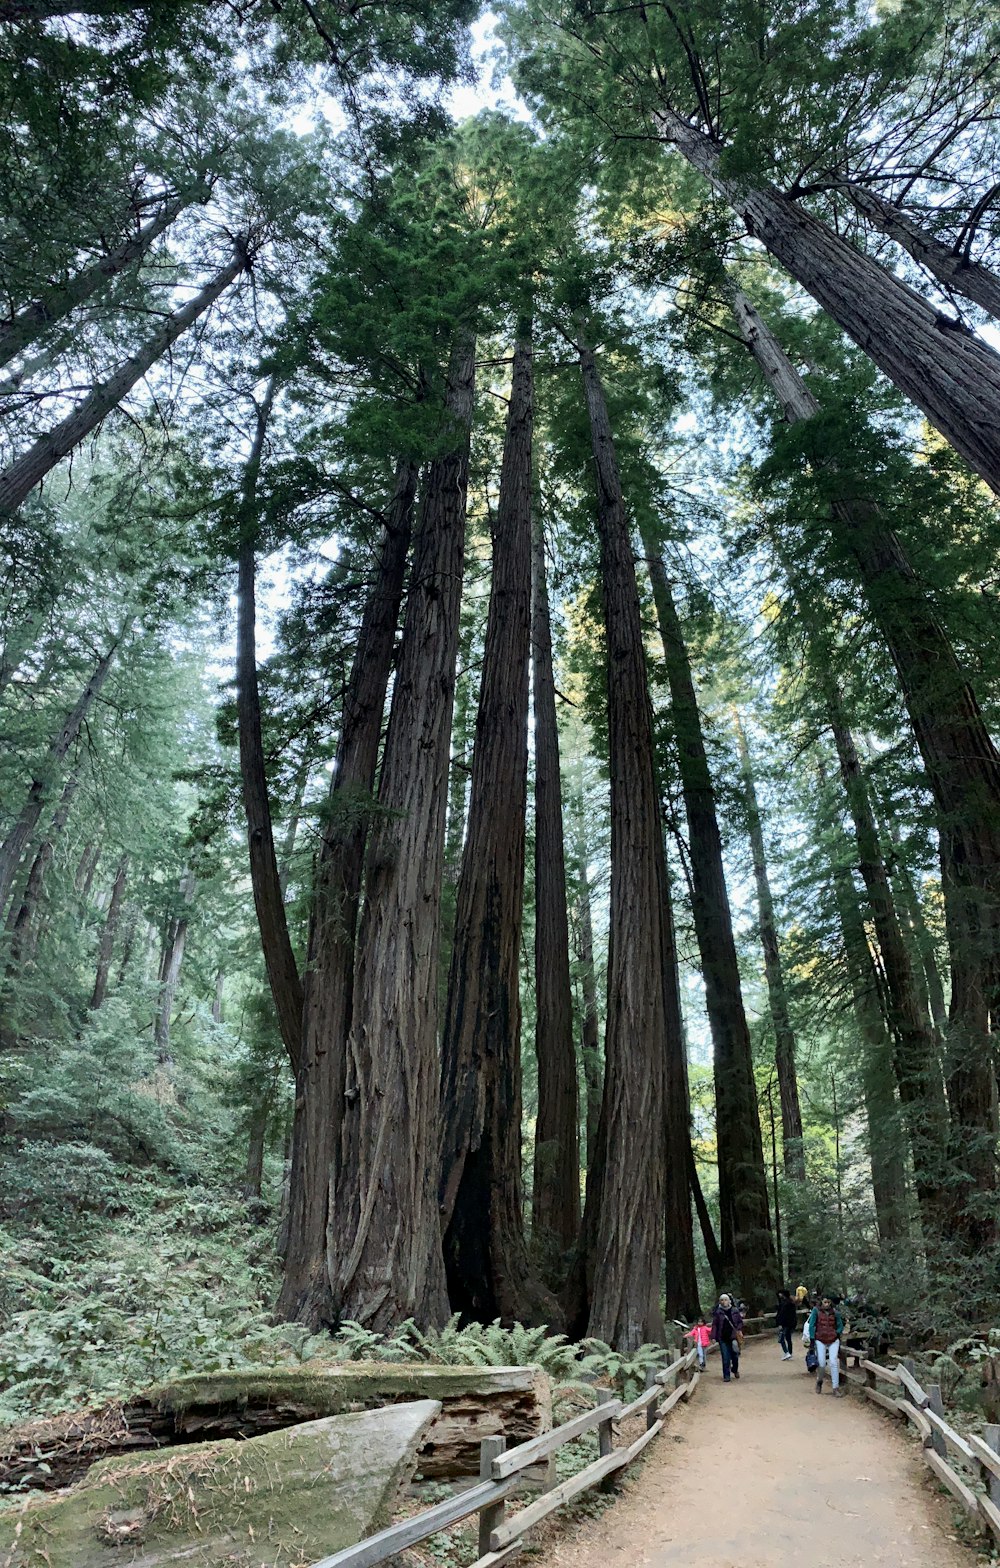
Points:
(727, 1331)
(823, 1330)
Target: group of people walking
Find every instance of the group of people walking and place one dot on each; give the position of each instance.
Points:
(821, 1334)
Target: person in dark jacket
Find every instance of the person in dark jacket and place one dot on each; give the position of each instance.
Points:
(824, 1328)
(785, 1320)
(727, 1331)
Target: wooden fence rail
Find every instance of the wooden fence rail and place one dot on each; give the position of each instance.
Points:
(502, 1469)
(942, 1445)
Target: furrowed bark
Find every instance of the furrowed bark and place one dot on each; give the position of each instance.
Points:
(590, 1038)
(555, 1210)
(627, 1227)
(14, 845)
(747, 1245)
(57, 302)
(105, 951)
(946, 371)
(306, 1295)
(954, 271)
(481, 1200)
(680, 1292)
(793, 1154)
(20, 478)
(268, 897)
(963, 773)
(384, 1243)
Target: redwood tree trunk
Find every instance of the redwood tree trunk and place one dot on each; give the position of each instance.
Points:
(171, 960)
(106, 949)
(747, 1245)
(306, 1295)
(963, 772)
(385, 1254)
(555, 1211)
(268, 896)
(485, 1253)
(627, 1225)
(956, 272)
(793, 1153)
(57, 302)
(590, 1039)
(20, 478)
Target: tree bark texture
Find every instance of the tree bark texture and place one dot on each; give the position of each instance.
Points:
(268, 896)
(58, 301)
(21, 921)
(385, 1256)
(481, 1198)
(793, 1153)
(555, 1209)
(109, 931)
(747, 1245)
(19, 479)
(171, 960)
(946, 371)
(624, 1265)
(963, 773)
(16, 841)
(680, 1291)
(590, 1037)
(957, 273)
(320, 1085)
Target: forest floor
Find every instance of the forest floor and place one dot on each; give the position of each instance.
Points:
(764, 1473)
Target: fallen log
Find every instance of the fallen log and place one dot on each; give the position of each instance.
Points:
(476, 1402)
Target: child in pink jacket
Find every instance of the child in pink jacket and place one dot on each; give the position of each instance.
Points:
(702, 1335)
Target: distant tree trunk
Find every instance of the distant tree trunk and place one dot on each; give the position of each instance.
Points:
(254, 1173)
(21, 921)
(220, 988)
(128, 946)
(20, 478)
(14, 845)
(626, 1190)
(909, 903)
(590, 1039)
(106, 949)
(481, 1199)
(793, 1153)
(713, 1251)
(385, 1251)
(946, 371)
(963, 773)
(171, 959)
(747, 1245)
(268, 897)
(56, 302)
(956, 272)
(292, 828)
(321, 1083)
(555, 1211)
(679, 1271)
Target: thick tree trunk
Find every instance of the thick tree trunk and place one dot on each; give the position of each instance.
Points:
(946, 371)
(747, 1245)
(55, 303)
(14, 845)
(627, 1226)
(105, 951)
(963, 772)
(20, 478)
(481, 1199)
(21, 922)
(386, 1262)
(590, 1038)
(276, 943)
(320, 1086)
(555, 1210)
(956, 272)
(171, 959)
(680, 1275)
(793, 1154)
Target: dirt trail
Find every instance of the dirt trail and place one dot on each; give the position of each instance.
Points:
(765, 1473)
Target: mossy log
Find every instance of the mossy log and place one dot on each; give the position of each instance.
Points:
(290, 1497)
(476, 1402)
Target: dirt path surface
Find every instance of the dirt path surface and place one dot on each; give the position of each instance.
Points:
(765, 1473)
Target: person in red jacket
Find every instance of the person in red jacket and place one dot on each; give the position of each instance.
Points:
(823, 1329)
(702, 1336)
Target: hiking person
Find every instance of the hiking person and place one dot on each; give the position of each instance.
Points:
(702, 1335)
(823, 1329)
(802, 1296)
(727, 1331)
(785, 1320)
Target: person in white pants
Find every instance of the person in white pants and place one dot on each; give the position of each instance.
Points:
(823, 1330)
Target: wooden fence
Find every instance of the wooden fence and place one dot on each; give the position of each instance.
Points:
(501, 1470)
(958, 1462)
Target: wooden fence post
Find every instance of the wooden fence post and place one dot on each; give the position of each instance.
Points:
(991, 1435)
(936, 1403)
(651, 1416)
(490, 1448)
(605, 1437)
